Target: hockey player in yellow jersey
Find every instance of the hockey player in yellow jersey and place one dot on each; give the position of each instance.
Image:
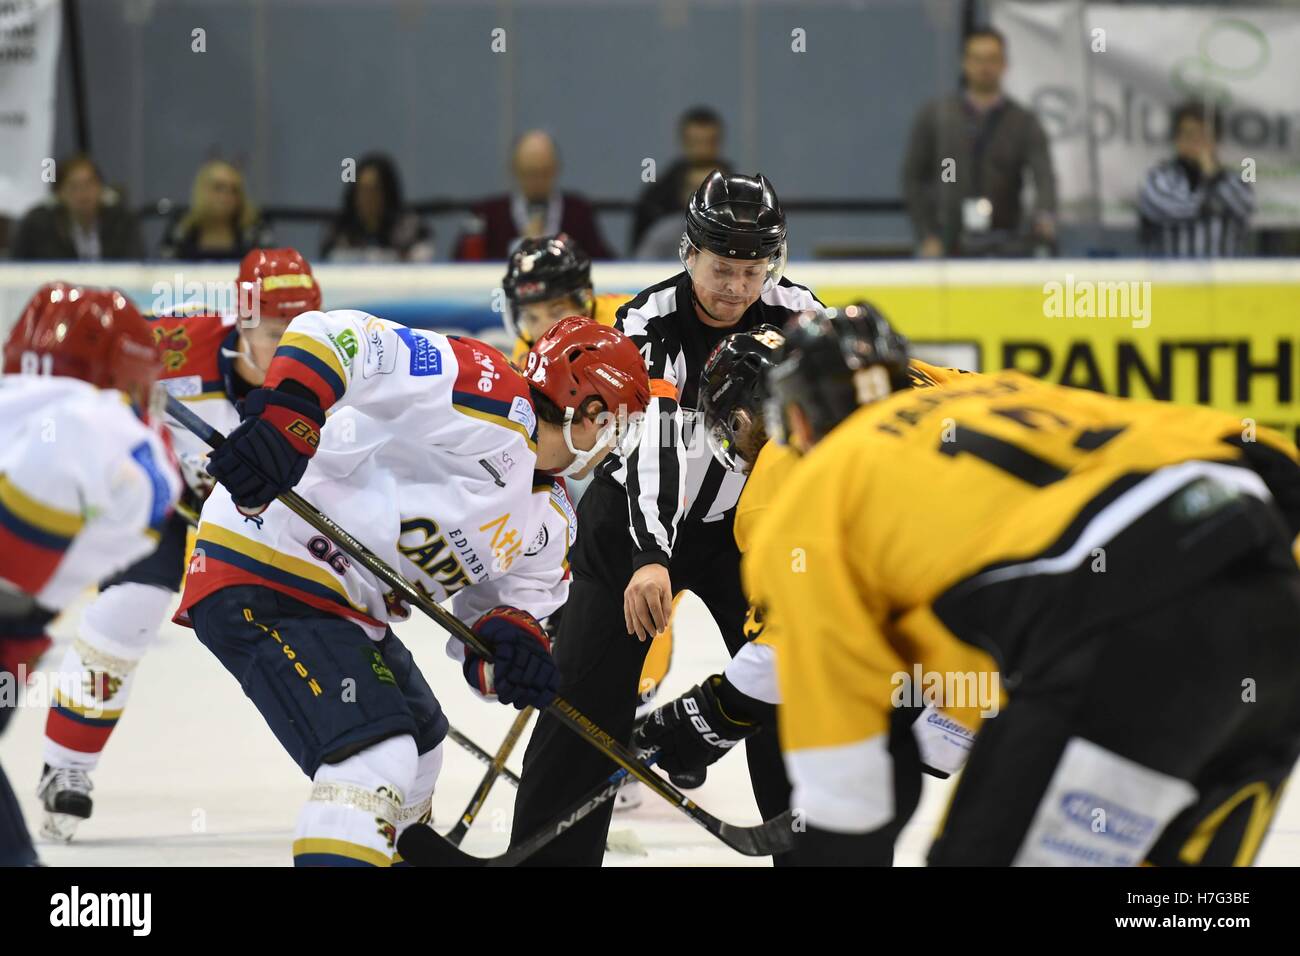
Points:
(548, 279)
(700, 727)
(1103, 589)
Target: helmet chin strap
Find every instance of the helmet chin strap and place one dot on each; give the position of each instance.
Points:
(245, 352)
(581, 459)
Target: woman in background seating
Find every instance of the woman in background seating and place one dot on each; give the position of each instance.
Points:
(221, 223)
(374, 225)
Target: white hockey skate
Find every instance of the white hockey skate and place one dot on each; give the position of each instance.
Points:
(65, 794)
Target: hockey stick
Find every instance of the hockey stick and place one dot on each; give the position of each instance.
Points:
(494, 769)
(511, 777)
(764, 839)
(421, 845)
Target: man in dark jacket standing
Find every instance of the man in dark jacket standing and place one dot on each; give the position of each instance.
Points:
(81, 221)
(966, 161)
(661, 520)
(700, 133)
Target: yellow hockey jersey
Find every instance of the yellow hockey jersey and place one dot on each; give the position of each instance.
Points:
(940, 538)
(752, 669)
(602, 312)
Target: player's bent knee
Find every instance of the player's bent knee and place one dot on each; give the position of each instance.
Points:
(124, 619)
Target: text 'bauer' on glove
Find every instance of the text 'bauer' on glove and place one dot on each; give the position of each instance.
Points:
(268, 453)
(698, 728)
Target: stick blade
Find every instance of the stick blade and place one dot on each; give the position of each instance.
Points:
(767, 839)
(422, 845)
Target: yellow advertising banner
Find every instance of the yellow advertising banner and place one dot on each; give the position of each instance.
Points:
(1235, 346)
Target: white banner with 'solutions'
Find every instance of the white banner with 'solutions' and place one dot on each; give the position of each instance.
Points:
(1103, 79)
(29, 57)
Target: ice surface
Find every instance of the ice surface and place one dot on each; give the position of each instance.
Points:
(192, 776)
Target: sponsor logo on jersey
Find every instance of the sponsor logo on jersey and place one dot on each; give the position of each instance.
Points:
(1116, 822)
(424, 545)
(425, 357)
(345, 343)
(506, 543)
(561, 498)
(940, 722)
(183, 386)
(468, 556)
(491, 469)
(380, 351)
(543, 538)
(521, 411)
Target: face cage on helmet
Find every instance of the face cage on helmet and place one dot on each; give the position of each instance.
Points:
(723, 438)
(621, 433)
(583, 295)
(775, 267)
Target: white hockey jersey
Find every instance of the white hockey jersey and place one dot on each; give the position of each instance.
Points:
(428, 457)
(85, 486)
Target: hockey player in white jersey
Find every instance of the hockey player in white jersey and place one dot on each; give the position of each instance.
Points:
(447, 463)
(87, 479)
(211, 359)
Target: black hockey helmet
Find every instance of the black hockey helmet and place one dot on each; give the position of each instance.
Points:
(832, 362)
(545, 268)
(737, 217)
(731, 395)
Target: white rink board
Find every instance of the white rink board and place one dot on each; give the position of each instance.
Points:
(192, 776)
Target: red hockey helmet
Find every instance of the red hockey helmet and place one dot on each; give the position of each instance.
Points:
(578, 359)
(280, 281)
(96, 335)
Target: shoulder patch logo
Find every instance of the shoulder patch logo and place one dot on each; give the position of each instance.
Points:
(173, 343)
(521, 411)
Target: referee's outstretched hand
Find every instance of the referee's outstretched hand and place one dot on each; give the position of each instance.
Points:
(648, 601)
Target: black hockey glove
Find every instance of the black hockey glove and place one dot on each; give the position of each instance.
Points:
(698, 728)
(268, 453)
(521, 671)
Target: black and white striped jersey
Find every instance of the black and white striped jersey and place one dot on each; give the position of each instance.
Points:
(672, 477)
(1187, 215)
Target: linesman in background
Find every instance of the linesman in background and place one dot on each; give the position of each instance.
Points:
(1191, 206)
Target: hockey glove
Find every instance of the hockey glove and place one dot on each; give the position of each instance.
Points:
(521, 671)
(268, 453)
(698, 728)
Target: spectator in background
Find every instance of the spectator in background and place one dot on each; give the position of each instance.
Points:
(82, 220)
(700, 132)
(374, 224)
(534, 209)
(1189, 205)
(972, 206)
(221, 224)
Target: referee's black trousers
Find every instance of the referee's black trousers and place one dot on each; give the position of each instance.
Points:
(600, 666)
